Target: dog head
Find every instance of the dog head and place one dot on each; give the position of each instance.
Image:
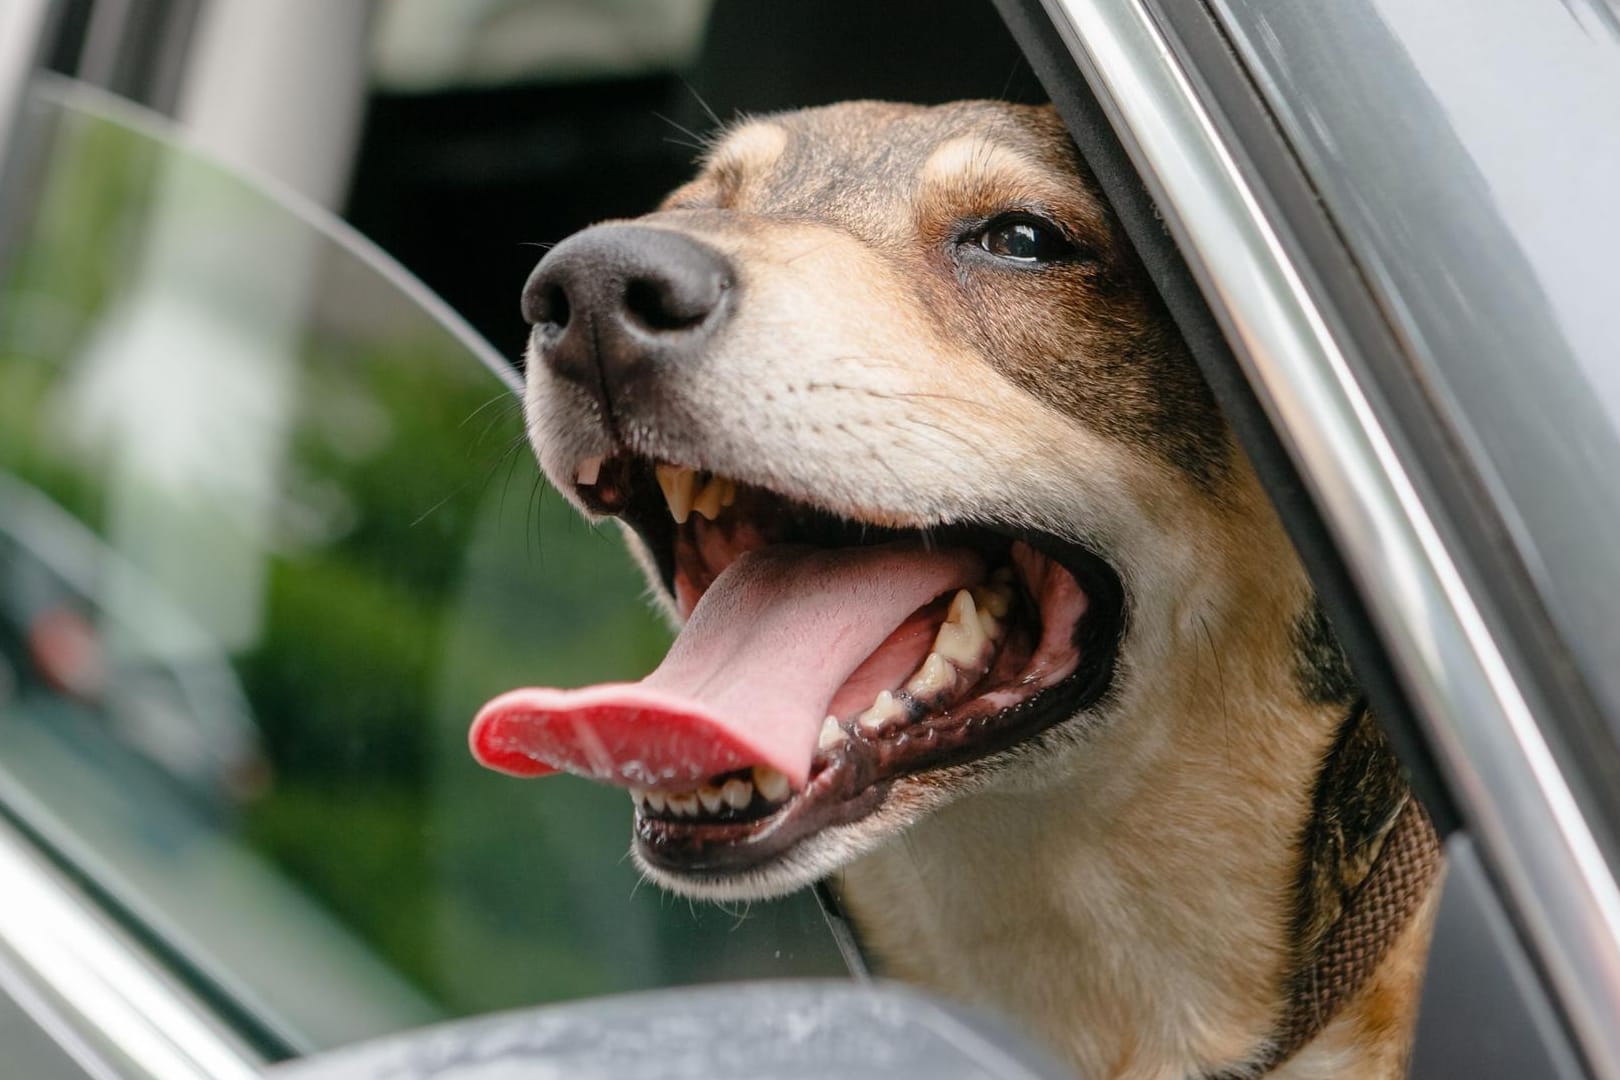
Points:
(886, 390)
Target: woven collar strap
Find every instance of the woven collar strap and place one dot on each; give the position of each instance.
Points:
(1381, 908)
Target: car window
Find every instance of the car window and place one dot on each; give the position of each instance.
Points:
(268, 536)
(1493, 258)
(435, 45)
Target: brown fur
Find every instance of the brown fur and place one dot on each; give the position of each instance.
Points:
(1139, 885)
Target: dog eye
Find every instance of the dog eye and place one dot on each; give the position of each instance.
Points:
(1026, 240)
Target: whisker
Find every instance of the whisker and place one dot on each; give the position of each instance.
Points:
(494, 422)
(1220, 683)
(876, 456)
(885, 395)
(504, 395)
(537, 493)
(951, 441)
(704, 105)
(1011, 74)
(698, 142)
(806, 254)
(511, 456)
(488, 474)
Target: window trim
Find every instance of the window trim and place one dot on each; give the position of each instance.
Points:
(1297, 360)
(107, 1003)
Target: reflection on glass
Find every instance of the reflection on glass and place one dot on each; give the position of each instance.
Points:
(268, 537)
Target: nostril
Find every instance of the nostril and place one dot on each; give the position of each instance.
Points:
(546, 303)
(659, 305)
(555, 304)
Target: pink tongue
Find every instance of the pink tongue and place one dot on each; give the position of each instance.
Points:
(747, 682)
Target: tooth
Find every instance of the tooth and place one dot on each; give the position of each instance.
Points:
(773, 786)
(709, 796)
(935, 675)
(589, 470)
(885, 709)
(961, 644)
(992, 628)
(709, 499)
(677, 482)
(737, 792)
(638, 795)
(728, 494)
(961, 638)
(656, 801)
(685, 803)
(831, 734)
(996, 600)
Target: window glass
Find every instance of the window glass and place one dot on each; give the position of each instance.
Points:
(269, 534)
(1484, 218)
(425, 45)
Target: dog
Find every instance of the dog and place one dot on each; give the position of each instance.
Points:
(986, 616)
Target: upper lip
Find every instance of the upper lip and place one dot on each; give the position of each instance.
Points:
(646, 509)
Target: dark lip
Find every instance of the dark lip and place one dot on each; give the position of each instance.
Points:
(724, 849)
(850, 788)
(719, 850)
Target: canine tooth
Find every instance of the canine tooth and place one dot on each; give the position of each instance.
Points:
(677, 482)
(885, 708)
(655, 801)
(737, 793)
(728, 494)
(638, 795)
(773, 785)
(708, 500)
(709, 796)
(961, 637)
(935, 675)
(831, 734)
(589, 470)
(685, 803)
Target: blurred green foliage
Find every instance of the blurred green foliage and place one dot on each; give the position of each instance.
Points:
(414, 565)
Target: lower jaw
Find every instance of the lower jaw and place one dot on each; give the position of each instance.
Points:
(687, 849)
(851, 788)
(856, 781)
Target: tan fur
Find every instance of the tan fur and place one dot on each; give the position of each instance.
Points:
(1145, 894)
(1124, 887)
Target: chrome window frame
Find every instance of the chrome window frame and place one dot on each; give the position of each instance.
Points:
(1509, 788)
(108, 1003)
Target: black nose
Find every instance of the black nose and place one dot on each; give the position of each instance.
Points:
(613, 305)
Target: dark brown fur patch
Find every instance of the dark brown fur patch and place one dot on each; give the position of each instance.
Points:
(1320, 666)
(1090, 336)
(1358, 794)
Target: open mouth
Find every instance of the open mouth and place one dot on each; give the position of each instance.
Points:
(881, 653)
